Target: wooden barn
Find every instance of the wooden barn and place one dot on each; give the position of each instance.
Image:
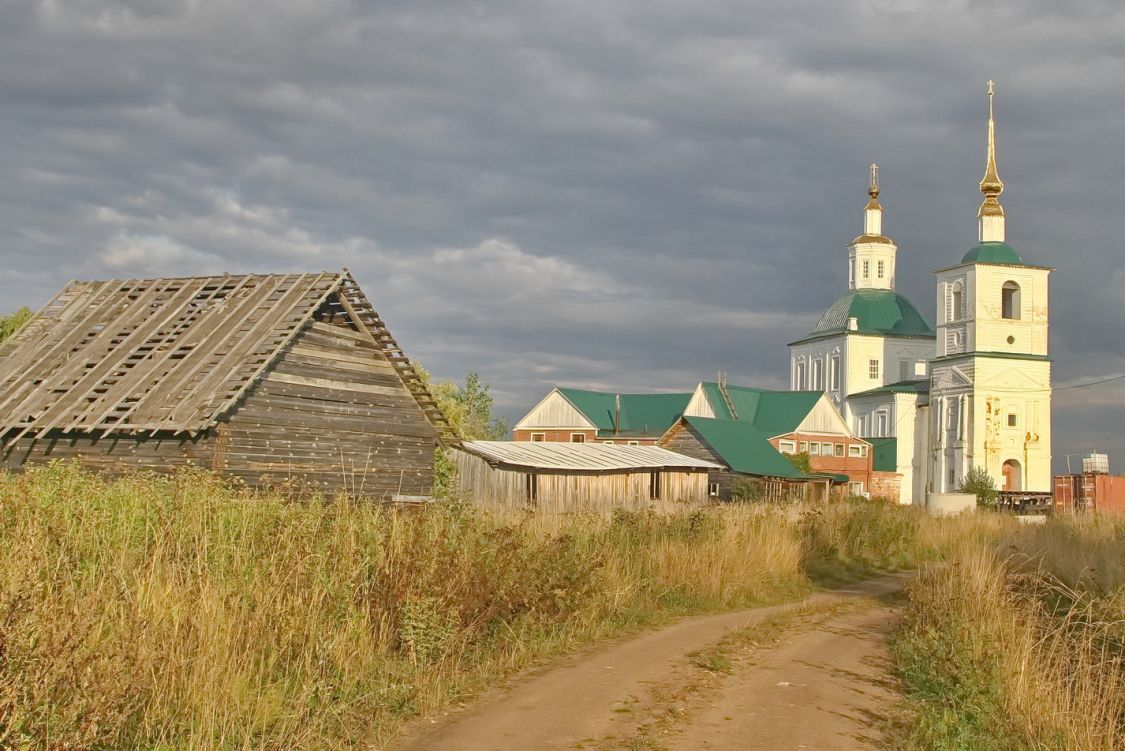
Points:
(281, 380)
(563, 477)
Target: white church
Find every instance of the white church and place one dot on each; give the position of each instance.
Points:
(975, 392)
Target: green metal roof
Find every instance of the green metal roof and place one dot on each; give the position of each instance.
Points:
(743, 448)
(902, 387)
(877, 311)
(884, 454)
(641, 414)
(993, 252)
(772, 412)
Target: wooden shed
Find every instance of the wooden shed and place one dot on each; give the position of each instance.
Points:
(562, 477)
(280, 379)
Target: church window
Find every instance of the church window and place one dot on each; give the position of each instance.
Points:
(956, 312)
(817, 374)
(799, 385)
(1010, 301)
(873, 369)
(952, 416)
(905, 370)
(861, 426)
(882, 422)
(881, 268)
(1013, 419)
(866, 269)
(834, 373)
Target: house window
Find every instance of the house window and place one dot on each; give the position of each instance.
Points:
(834, 373)
(538, 437)
(1010, 300)
(866, 269)
(814, 449)
(609, 442)
(804, 447)
(839, 449)
(713, 489)
(654, 485)
(577, 437)
(633, 443)
(787, 447)
(826, 449)
(855, 488)
(880, 269)
(532, 486)
(873, 369)
(855, 450)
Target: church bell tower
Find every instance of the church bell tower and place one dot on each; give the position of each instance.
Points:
(990, 392)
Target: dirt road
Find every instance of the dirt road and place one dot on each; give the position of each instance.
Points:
(702, 683)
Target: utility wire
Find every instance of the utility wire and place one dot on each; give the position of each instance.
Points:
(1091, 383)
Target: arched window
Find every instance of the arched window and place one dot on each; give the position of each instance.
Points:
(1010, 300)
(956, 312)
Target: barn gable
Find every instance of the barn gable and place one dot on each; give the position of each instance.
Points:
(290, 370)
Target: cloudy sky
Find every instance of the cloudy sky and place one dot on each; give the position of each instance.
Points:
(621, 194)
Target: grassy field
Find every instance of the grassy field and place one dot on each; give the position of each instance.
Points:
(176, 613)
(1019, 643)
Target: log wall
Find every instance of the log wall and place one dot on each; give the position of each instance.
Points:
(112, 454)
(331, 415)
(564, 491)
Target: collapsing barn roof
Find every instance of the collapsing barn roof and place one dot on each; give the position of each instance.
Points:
(147, 355)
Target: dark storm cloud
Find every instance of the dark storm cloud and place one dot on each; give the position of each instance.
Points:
(618, 194)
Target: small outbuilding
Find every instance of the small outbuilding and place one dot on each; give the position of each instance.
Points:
(563, 477)
(278, 379)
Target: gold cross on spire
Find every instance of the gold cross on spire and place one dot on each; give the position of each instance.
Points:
(991, 185)
(873, 188)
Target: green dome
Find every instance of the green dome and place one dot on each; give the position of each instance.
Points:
(993, 252)
(877, 311)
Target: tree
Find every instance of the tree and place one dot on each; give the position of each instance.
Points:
(978, 482)
(800, 462)
(468, 409)
(9, 324)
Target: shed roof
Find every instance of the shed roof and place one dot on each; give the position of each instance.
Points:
(913, 386)
(175, 354)
(771, 412)
(601, 457)
(641, 414)
(744, 448)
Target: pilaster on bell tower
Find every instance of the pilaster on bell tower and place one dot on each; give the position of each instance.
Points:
(871, 256)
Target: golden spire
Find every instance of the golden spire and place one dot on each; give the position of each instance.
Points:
(991, 185)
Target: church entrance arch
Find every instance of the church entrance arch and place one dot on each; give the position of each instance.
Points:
(1013, 475)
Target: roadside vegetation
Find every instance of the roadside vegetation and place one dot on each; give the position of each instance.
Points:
(1019, 642)
(176, 612)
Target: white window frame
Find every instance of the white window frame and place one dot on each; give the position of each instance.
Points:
(577, 437)
(839, 449)
(713, 489)
(817, 383)
(881, 268)
(803, 447)
(866, 269)
(800, 376)
(826, 449)
(873, 369)
(787, 447)
(834, 373)
(814, 449)
(539, 437)
(882, 423)
(855, 450)
(633, 443)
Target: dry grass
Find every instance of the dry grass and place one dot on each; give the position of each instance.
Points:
(1020, 642)
(173, 612)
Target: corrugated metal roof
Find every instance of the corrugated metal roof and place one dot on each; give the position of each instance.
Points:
(583, 456)
(877, 311)
(772, 412)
